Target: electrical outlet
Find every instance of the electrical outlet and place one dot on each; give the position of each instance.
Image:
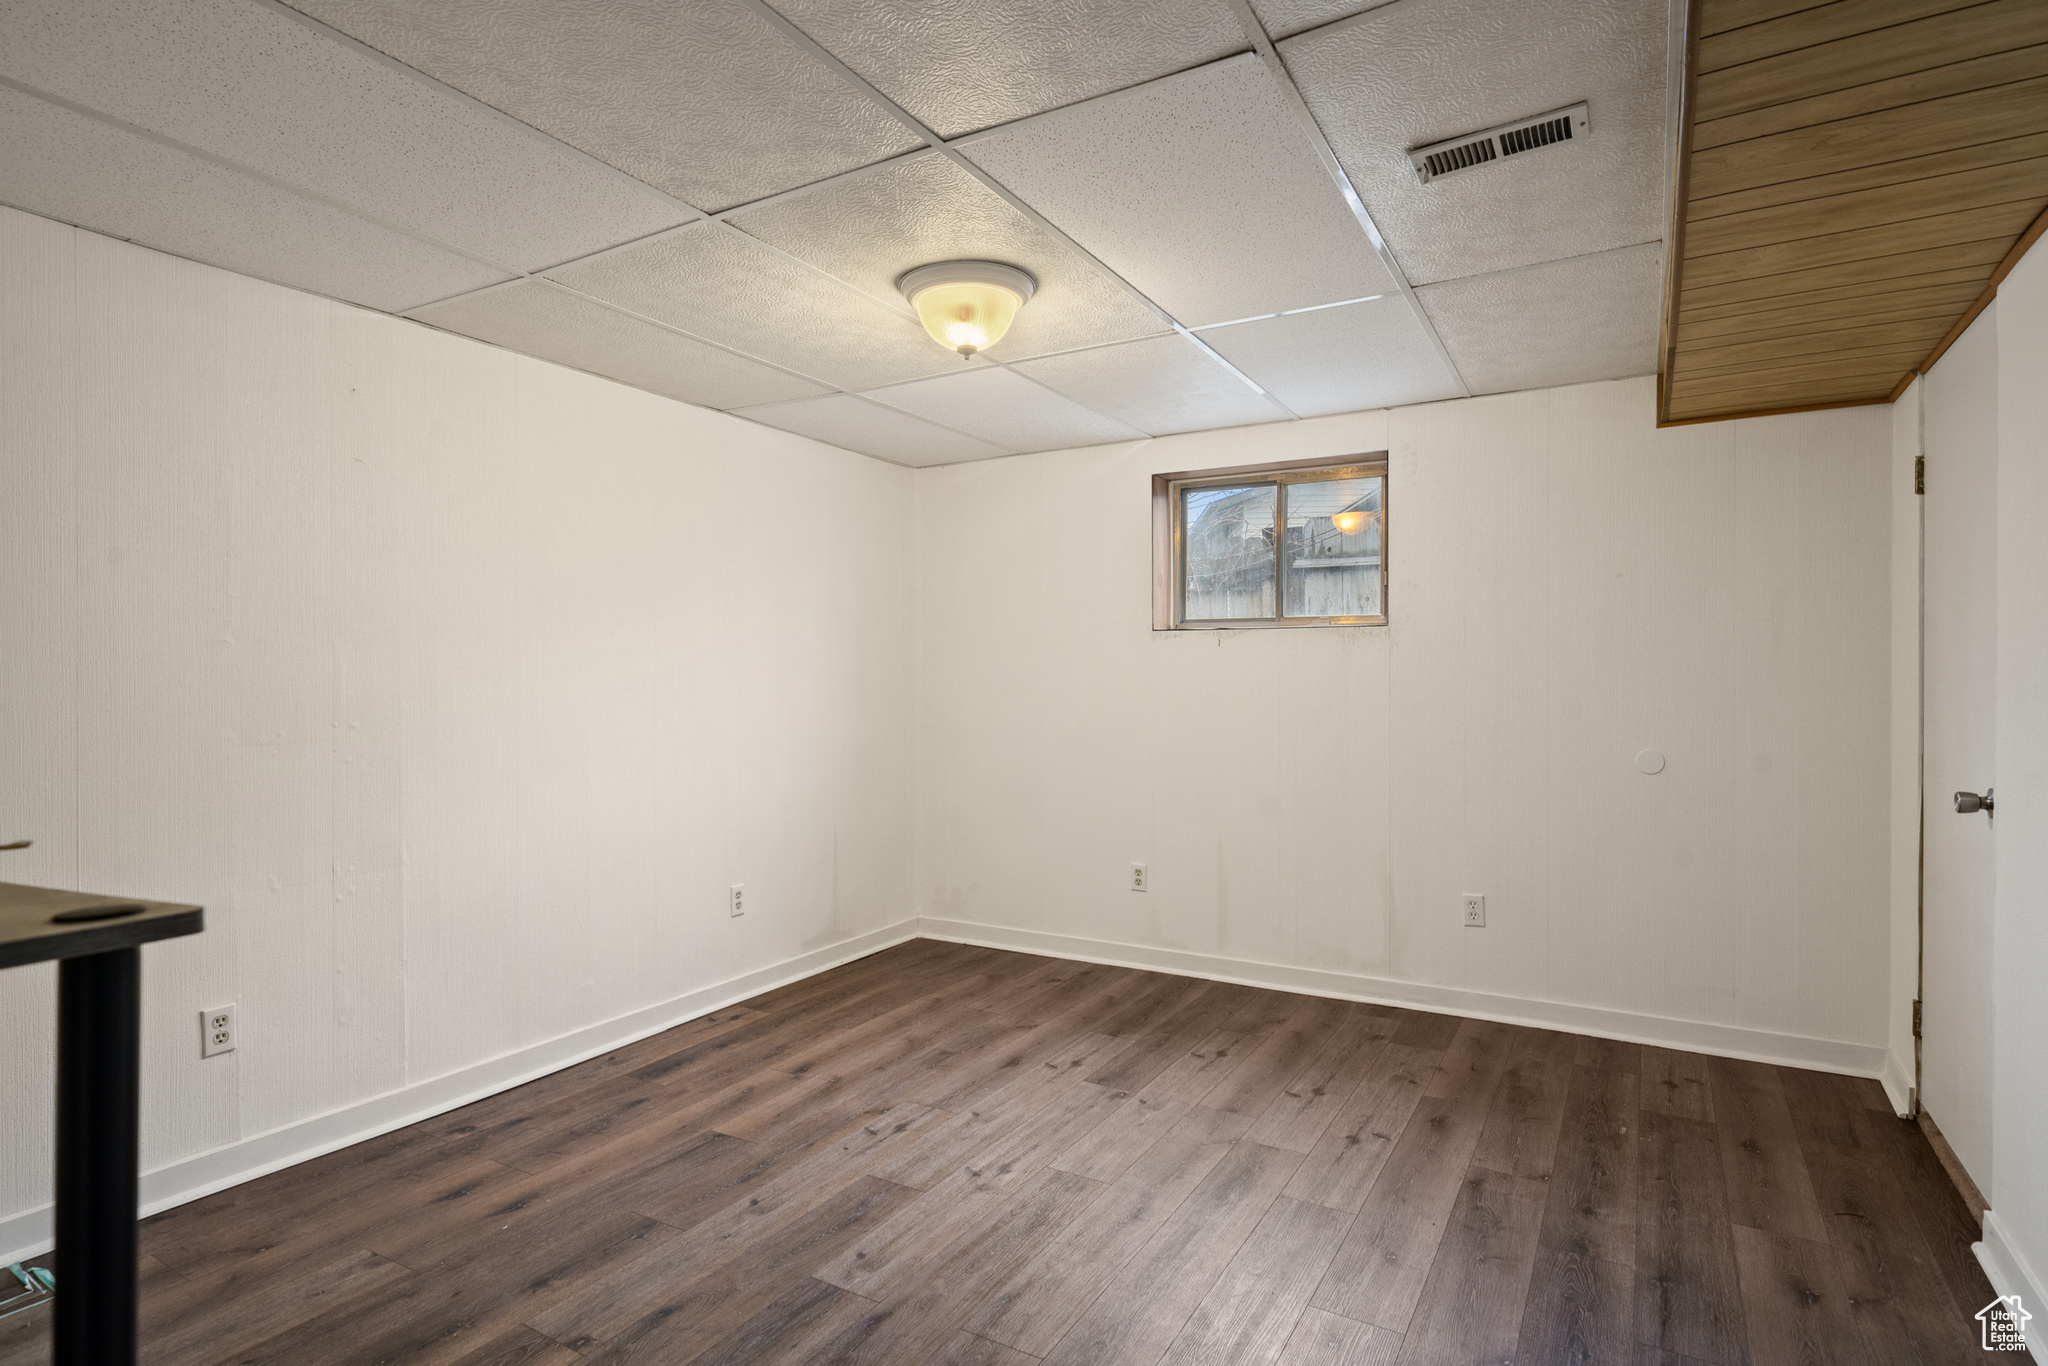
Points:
(736, 903)
(1475, 911)
(216, 1031)
(1137, 877)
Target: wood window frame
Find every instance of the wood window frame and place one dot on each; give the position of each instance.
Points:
(1169, 553)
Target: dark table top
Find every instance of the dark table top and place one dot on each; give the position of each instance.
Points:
(32, 932)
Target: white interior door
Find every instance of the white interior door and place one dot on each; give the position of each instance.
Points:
(1960, 442)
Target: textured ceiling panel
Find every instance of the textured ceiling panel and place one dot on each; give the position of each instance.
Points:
(725, 288)
(1160, 385)
(959, 65)
(1338, 360)
(1284, 18)
(1201, 190)
(262, 89)
(1005, 409)
(1565, 322)
(843, 420)
(869, 229)
(1406, 75)
(704, 99)
(143, 191)
(553, 324)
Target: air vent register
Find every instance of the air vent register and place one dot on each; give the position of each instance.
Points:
(1453, 155)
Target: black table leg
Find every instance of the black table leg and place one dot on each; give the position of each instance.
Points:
(99, 1041)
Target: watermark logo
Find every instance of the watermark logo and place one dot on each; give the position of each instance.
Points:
(2005, 1324)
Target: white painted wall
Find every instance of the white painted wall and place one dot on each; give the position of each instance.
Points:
(456, 685)
(1569, 586)
(2016, 1231)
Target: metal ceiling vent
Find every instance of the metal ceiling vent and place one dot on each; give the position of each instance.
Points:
(1509, 139)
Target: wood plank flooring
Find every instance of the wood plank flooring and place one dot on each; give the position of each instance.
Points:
(942, 1155)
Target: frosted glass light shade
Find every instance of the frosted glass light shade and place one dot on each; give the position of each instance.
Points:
(967, 306)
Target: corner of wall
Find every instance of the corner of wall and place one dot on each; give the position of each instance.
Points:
(918, 898)
(2010, 1274)
(1904, 981)
(1897, 1078)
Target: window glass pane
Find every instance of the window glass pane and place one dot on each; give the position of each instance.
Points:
(1333, 547)
(1229, 541)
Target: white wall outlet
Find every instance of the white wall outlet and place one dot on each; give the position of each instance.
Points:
(1475, 911)
(736, 899)
(216, 1031)
(1138, 877)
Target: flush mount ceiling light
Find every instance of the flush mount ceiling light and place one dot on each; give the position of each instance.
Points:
(967, 305)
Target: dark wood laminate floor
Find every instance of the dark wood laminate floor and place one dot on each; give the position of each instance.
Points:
(955, 1156)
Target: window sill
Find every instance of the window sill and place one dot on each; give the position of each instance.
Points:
(1288, 625)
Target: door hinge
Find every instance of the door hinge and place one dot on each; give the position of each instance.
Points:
(1919, 474)
(1916, 1019)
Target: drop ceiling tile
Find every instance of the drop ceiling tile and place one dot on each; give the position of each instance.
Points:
(725, 288)
(959, 65)
(261, 88)
(1562, 322)
(857, 425)
(1201, 190)
(1284, 18)
(537, 319)
(143, 191)
(870, 228)
(1406, 75)
(704, 99)
(1375, 354)
(1005, 409)
(1159, 385)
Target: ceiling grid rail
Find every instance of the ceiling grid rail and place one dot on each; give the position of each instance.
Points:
(517, 275)
(700, 219)
(693, 217)
(730, 220)
(938, 144)
(1290, 93)
(261, 177)
(696, 218)
(447, 91)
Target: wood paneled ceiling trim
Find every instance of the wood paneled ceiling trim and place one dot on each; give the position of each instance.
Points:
(1854, 180)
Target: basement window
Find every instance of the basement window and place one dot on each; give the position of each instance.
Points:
(1299, 543)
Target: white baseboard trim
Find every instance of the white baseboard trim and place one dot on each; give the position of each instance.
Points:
(1898, 1083)
(1730, 1041)
(30, 1233)
(2011, 1274)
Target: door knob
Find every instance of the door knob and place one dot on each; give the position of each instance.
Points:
(1967, 802)
(18, 844)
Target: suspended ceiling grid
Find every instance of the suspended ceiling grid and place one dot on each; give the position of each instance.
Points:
(1857, 176)
(712, 200)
